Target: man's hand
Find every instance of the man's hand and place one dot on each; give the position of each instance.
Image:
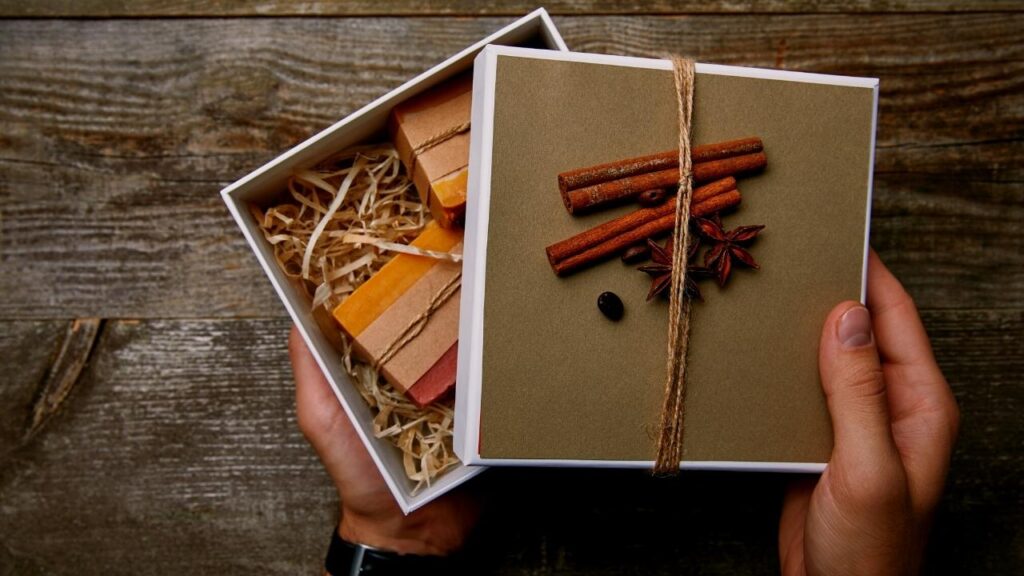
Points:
(369, 514)
(895, 422)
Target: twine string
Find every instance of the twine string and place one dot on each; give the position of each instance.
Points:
(417, 324)
(436, 140)
(670, 439)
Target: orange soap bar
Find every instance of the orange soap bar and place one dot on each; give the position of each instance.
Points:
(431, 134)
(448, 199)
(378, 313)
(378, 293)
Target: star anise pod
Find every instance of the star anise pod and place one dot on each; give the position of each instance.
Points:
(727, 247)
(661, 270)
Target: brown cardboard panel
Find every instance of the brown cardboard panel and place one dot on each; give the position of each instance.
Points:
(561, 381)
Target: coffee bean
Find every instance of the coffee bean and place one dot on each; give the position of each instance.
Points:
(652, 197)
(610, 305)
(636, 253)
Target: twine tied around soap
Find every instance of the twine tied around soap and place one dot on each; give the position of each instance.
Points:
(417, 324)
(673, 409)
(436, 140)
(379, 215)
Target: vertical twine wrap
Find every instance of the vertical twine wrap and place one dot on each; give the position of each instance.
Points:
(670, 440)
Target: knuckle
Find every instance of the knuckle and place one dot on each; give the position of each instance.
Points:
(880, 487)
(899, 301)
(942, 411)
(305, 423)
(865, 380)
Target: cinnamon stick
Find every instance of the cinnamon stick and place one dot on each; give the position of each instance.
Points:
(594, 236)
(616, 244)
(588, 198)
(583, 177)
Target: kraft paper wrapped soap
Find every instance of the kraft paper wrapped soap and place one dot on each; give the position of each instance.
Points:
(431, 134)
(410, 289)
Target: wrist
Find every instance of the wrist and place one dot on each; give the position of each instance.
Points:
(420, 533)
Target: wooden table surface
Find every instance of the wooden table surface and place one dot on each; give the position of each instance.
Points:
(146, 410)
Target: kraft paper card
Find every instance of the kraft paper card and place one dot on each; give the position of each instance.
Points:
(544, 377)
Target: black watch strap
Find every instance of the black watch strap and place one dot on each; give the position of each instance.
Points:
(347, 559)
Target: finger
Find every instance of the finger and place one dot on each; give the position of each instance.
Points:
(924, 411)
(851, 376)
(917, 382)
(901, 335)
(792, 522)
(323, 421)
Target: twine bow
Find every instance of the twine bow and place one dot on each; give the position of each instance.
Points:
(670, 439)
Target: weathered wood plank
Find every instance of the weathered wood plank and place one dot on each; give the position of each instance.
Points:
(118, 134)
(181, 437)
(178, 454)
(150, 8)
(28, 350)
(63, 375)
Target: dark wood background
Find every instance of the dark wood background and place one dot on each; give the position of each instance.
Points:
(146, 411)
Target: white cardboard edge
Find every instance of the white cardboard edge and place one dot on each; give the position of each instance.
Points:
(724, 465)
(871, 193)
(659, 64)
(467, 409)
(467, 398)
(453, 478)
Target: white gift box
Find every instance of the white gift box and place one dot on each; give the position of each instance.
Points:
(268, 182)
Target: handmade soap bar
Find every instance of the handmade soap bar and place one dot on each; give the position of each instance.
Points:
(438, 381)
(431, 134)
(377, 317)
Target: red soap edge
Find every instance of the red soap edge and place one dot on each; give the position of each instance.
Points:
(438, 381)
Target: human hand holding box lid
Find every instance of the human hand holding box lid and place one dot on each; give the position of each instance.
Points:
(544, 377)
(431, 134)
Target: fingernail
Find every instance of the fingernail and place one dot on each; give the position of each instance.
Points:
(855, 327)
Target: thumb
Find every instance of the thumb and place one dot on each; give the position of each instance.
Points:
(851, 376)
(316, 407)
(320, 416)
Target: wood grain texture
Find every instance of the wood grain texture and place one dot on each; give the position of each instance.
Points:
(28, 350)
(176, 450)
(181, 437)
(117, 135)
(144, 8)
(63, 375)
(178, 454)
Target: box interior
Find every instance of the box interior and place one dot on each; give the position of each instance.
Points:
(267, 184)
